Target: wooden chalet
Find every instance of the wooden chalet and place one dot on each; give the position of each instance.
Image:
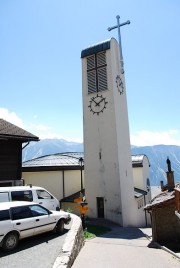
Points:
(11, 142)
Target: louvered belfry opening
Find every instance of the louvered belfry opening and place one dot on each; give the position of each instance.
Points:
(97, 72)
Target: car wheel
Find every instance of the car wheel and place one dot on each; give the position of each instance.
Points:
(60, 227)
(10, 241)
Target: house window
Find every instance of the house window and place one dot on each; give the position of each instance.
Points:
(97, 72)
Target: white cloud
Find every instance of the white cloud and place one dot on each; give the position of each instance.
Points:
(11, 117)
(40, 130)
(42, 127)
(46, 132)
(149, 138)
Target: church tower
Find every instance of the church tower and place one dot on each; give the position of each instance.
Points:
(107, 152)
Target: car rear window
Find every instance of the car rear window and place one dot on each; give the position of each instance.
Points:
(4, 215)
(22, 196)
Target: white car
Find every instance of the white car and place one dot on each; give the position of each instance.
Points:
(21, 219)
(29, 193)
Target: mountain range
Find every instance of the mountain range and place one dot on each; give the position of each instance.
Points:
(156, 154)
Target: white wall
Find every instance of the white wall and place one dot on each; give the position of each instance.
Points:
(53, 181)
(140, 175)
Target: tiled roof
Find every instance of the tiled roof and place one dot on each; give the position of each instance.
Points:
(10, 131)
(161, 199)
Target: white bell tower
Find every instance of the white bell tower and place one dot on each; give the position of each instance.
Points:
(107, 153)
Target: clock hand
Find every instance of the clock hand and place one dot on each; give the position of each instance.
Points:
(100, 101)
(95, 102)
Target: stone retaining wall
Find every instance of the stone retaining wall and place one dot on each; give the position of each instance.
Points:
(73, 243)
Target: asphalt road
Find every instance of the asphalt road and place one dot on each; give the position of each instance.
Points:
(39, 251)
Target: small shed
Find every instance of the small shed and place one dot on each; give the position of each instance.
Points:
(11, 140)
(165, 224)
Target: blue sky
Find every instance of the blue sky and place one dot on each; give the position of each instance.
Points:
(40, 64)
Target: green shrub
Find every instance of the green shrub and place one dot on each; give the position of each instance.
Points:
(92, 231)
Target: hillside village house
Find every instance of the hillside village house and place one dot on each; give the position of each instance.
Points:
(63, 175)
(164, 210)
(12, 138)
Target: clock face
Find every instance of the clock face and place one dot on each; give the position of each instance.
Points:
(120, 84)
(97, 104)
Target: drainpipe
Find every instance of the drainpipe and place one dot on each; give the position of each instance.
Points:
(63, 184)
(145, 210)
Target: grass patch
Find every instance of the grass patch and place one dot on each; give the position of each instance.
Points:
(92, 231)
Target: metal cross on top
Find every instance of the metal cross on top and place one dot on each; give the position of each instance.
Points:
(119, 35)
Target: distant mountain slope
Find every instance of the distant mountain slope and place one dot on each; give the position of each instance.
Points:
(50, 146)
(157, 155)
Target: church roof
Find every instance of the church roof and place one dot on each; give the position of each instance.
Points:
(69, 160)
(96, 48)
(53, 162)
(137, 160)
(9, 131)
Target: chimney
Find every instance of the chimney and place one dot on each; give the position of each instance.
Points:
(162, 185)
(170, 180)
(170, 176)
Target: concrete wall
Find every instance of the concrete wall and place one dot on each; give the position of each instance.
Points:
(141, 217)
(140, 175)
(53, 181)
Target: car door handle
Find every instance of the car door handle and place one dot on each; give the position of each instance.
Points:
(18, 223)
(37, 219)
(40, 203)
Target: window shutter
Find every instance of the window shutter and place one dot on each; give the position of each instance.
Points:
(92, 82)
(97, 72)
